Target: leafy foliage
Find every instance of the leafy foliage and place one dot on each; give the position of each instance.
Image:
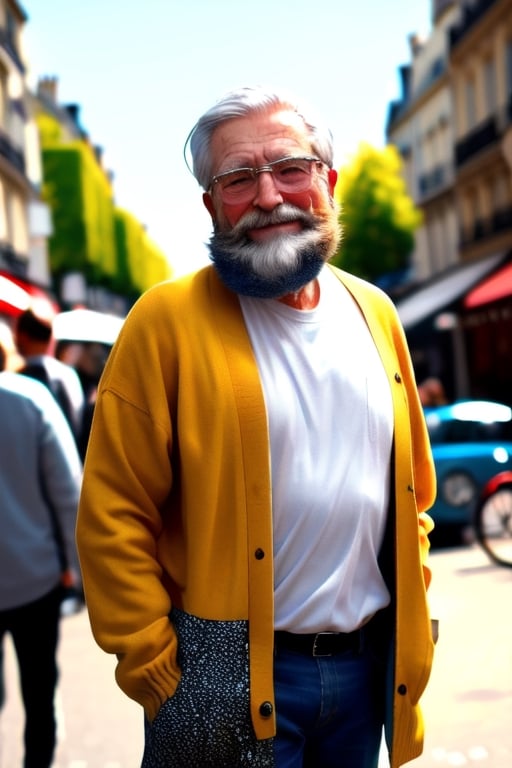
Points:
(141, 263)
(377, 215)
(50, 131)
(80, 198)
(109, 246)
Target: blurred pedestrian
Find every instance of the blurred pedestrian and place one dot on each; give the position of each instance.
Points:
(35, 342)
(14, 360)
(253, 526)
(89, 365)
(40, 476)
(432, 393)
(88, 358)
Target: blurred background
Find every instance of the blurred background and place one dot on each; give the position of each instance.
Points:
(97, 204)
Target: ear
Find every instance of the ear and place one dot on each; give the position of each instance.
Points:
(209, 205)
(333, 178)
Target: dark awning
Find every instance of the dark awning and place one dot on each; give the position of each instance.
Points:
(497, 286)
(444, 289)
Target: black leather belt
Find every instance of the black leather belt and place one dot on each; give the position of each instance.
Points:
(321, 643)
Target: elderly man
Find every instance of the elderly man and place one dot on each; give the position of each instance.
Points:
(252, 527)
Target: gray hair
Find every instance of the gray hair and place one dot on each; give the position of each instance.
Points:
(243, 102)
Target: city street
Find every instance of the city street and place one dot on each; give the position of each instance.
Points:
(467, 707)
(468, 704)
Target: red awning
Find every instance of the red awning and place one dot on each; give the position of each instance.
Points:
(13, 298)
(497, 286)
(17, 295)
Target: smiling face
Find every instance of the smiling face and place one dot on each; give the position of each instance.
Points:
(252, 142)
(276, 241)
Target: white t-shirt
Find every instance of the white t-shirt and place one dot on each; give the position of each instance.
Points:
(330, 423)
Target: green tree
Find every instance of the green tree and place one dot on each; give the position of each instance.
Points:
(80, 196)
(140, 263)
(106, 244)
(377, 216)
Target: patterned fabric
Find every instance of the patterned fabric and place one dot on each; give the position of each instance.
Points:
(207, 724)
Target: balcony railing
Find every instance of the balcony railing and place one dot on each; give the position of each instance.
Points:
(485, 134)
(7, 43)
(502, 220)
(499, 222)
(470, 15)
(11, 154)
(435, 180)
(11, 261)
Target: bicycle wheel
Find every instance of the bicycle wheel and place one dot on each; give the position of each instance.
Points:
(493, 523)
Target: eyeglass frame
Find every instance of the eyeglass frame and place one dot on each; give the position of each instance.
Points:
(267, 168)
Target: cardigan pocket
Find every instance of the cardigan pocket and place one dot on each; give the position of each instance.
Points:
(207, 721)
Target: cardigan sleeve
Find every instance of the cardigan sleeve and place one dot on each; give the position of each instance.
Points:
(127, 479)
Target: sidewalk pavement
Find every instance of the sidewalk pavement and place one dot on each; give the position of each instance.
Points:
(98, 726)
(467, 704)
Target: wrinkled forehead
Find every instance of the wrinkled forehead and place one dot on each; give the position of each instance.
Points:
(267, 133)
(275, 119)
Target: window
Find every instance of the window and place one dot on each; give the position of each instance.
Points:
(3, 213)
(470, 105)
(508, 65)
(3, 97)
(19, 223)
(11, 28)
(490, 87)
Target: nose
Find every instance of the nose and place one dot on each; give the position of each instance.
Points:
(267, 194)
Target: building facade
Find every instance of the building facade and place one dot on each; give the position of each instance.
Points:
(481, 84)
(453, 126)
(24, 219)
(62, 237)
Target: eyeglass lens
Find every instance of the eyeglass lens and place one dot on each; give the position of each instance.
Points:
(290, 174)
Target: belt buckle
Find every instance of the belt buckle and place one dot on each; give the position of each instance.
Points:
(316, 651)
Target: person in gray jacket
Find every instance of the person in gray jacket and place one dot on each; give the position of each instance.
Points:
(34, 339)
(40, 478)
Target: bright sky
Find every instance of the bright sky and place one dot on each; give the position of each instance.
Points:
(143, 71)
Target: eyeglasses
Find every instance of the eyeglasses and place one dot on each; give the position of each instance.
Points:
(290, 174)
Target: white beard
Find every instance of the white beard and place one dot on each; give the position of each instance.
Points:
(280, 254)
(281, 265)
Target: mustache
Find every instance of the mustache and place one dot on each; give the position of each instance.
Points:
(282, 264)
(280, 215)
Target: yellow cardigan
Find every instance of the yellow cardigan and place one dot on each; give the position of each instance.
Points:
(176, 501)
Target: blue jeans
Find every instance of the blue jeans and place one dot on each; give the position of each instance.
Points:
(330, 710)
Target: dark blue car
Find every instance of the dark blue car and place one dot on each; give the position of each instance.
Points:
(471, 442)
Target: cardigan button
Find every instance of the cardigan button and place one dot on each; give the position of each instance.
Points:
(402, 689)
(398, 378)
(266, 709)
(259, 554)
